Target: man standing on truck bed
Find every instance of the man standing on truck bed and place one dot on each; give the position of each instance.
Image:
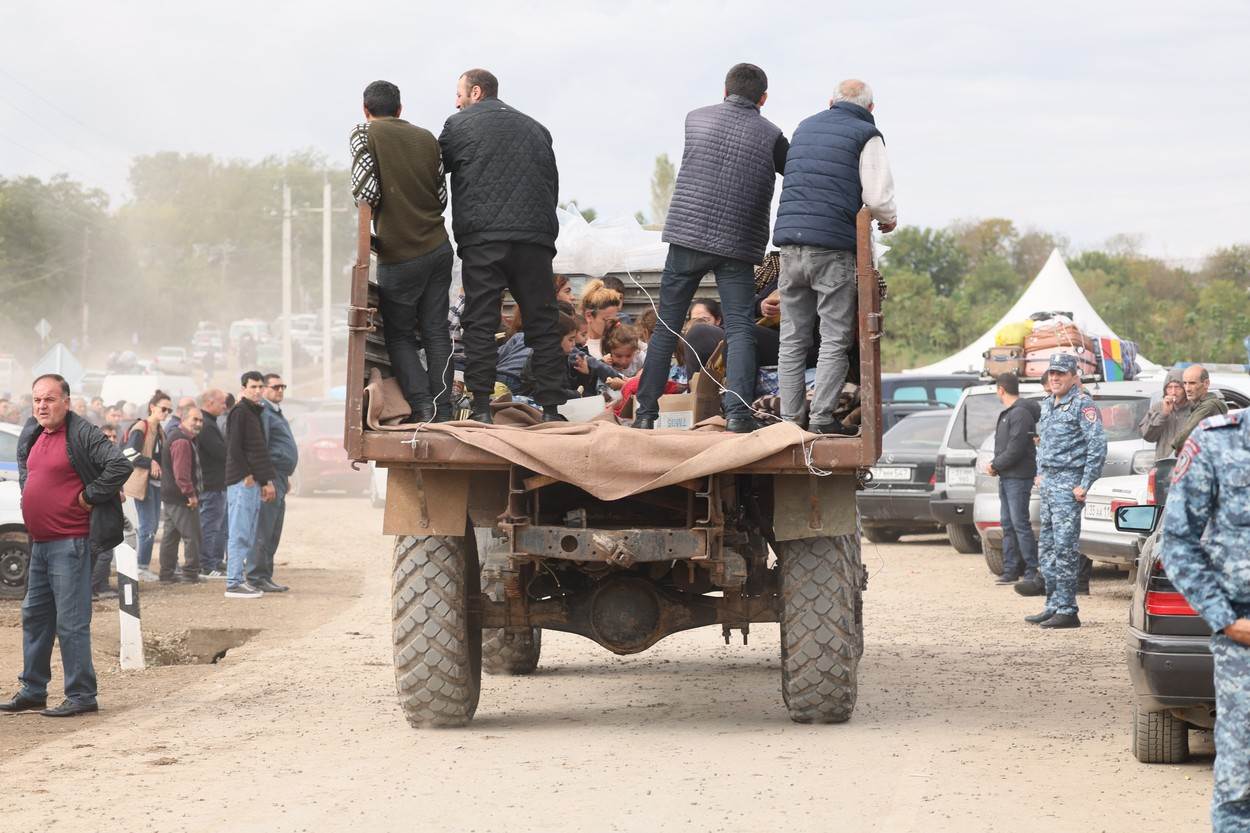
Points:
(1206, 553)
(1069, 459)
(397, 169)
(836, 165)
(504, 188)
(718, 222)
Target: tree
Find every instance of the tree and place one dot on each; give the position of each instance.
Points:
(926, 251)
(1031, 251)
(1231, 264)
(985, 238)
(663, 180)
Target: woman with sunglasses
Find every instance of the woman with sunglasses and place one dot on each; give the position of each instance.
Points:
(145, 455)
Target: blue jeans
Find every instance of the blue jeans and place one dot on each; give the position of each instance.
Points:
(58, 605)
(243, 506)
(213, 530)
(735, 281)
(1019, 544)
(149, 512)
(413, 300)
(268, 533)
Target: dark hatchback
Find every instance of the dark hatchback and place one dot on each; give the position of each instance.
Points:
(1169, 653)
(896, 501)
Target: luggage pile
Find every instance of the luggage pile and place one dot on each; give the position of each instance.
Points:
(1025, 349)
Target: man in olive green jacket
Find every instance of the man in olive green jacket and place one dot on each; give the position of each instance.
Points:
(1205, 403)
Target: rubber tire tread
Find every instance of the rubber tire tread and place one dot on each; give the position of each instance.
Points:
(820, 641)
(22, 541)
(438, 668)
(511, 654)
(1159, 738)
(993, 557)
(964, 538)
(882, 536)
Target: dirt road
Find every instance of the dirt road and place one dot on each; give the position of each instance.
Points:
(968, 720)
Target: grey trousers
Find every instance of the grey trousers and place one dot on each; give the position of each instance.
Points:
(182, 525)
(815, 282)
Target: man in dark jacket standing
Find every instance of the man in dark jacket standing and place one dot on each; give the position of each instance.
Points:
(835, 166)
(285, 456)
(504, 188)
(1197, 382)
(1015, 464)
(396, 168)
(180, 497)
(249, 483)
(70, 476)
(211, 445)
(718, 222)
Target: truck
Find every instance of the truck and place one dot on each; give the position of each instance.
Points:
(491, 548)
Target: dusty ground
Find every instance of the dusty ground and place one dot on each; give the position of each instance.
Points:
(968, 720)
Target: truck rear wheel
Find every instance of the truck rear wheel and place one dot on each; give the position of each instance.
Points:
(964, 538)
(1159, 738)
(993, 557)
(437, 632)
(511, 653)
(820, 633)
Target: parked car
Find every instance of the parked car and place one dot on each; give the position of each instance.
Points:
(1121, 405)
(9, 434)
(14, 543)
(944, 389)
(173, 360)
(1169, 654)
(323, 463)
(894, 412)
(896, 501)
(1100, 540)
(206, 341)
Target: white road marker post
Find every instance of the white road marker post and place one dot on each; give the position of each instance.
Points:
(131, 634)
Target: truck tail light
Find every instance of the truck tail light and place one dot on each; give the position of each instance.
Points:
(1162, 603)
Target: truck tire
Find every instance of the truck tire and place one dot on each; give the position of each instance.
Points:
(437, 632)
(514, 654)
(14, 564)
(993, 557)
(1159, 738)
(964, 538)
(882, 536)
(820, 637)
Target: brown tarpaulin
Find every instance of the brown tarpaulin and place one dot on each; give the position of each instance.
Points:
(603, 457)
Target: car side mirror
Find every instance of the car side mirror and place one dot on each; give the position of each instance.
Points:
(1140, 519)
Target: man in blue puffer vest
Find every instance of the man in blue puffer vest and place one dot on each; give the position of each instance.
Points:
(836, 164)
(718, 222)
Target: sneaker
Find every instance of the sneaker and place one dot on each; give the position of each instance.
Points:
(147, 575)
(243, 591)
(214, 575)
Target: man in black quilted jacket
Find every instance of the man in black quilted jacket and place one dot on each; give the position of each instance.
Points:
(504, 185)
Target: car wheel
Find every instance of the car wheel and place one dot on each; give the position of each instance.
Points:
(14, 564)
(1159, 738)
(993, 557)
(964, 538)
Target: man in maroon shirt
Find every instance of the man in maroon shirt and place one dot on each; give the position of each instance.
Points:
(70, 476)
(180, 496)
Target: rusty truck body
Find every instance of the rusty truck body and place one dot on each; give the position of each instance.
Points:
(488, 554)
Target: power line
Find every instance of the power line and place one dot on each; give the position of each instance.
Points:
(57, 108)
(89, 155)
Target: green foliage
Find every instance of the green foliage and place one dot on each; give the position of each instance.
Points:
(663, 181)
(930, 252)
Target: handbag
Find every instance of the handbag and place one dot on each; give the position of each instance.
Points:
(136, 485)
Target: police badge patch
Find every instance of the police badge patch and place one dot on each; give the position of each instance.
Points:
(1090, 413)
(1188, 452)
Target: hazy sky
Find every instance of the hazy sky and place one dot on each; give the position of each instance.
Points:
(1089, 119)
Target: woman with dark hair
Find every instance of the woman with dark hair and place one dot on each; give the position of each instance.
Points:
(706, 311)
(143, 446)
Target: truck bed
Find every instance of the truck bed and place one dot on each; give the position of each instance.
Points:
(366, 350)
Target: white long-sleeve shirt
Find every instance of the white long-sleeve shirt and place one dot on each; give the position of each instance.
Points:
(877, 181)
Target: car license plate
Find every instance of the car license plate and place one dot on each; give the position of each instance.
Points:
(891, 474)
(960, 476)
(1098, 511)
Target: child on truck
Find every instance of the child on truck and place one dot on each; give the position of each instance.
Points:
(581, 371)
(621, 352)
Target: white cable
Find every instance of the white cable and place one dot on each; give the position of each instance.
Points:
(808, 450)
(445, 389)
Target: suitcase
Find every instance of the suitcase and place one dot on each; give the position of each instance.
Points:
(1037, 362)
(1067, 336)
(1000, 360)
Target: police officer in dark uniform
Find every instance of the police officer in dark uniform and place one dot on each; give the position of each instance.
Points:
(1211, 493)
(1069, 459)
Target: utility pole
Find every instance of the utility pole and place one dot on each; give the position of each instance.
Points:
(287, 366)
(326, 340)
(86, 256)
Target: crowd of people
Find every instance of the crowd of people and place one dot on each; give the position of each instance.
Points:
(211, 473)
(793, 309)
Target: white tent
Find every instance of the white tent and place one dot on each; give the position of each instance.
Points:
(1053, 290)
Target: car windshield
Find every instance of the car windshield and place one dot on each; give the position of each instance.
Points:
(976, 420)
(915, 433)
(1121, 415)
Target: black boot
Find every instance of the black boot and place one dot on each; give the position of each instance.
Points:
(1032, 586)
(1062, 620)
(482, 415)
(443, 413)
(741, 424)
(1082, 576)
(645, 423)
(835, 429)
(551, 413)
(1038, 618)
(423, 415)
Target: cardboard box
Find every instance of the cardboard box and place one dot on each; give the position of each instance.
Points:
(676, 411)
(683, 410)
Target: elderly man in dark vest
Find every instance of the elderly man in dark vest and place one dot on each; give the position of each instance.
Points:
(718, 223)
(836, 164)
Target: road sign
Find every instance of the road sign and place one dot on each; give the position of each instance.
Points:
(43, 328)
(61, 361)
